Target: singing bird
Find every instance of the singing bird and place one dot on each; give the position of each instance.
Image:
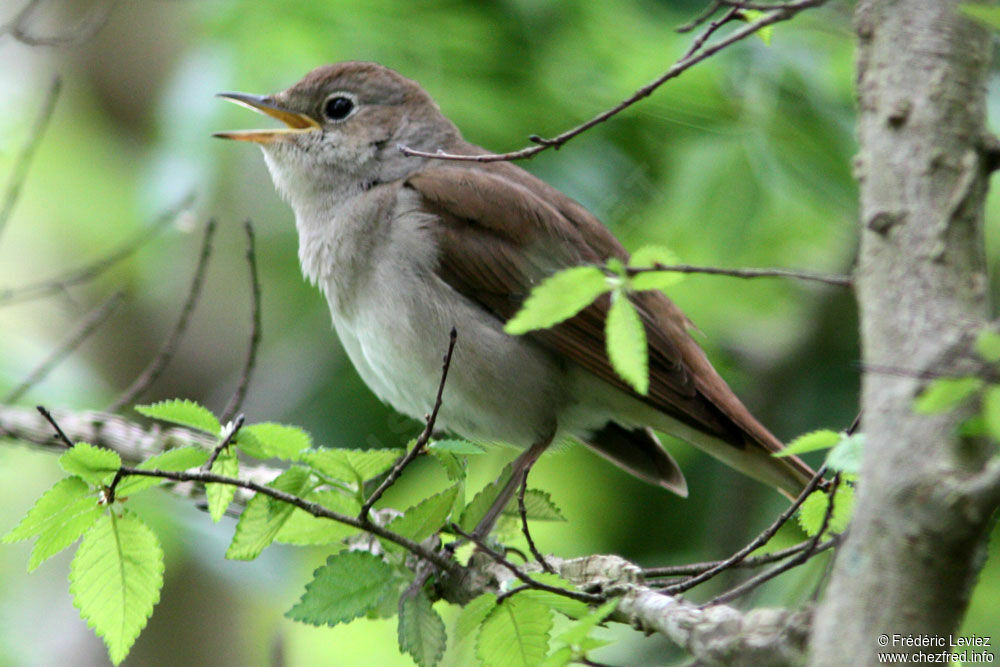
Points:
(405, 248)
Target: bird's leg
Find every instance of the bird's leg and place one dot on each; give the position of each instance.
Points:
(518, 476)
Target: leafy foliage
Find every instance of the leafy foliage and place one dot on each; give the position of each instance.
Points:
(946, 394)
(264, 516)
(346, 587)
(220, 495)
(814, 508)
(183, 412)
(92, 464)
(421, 630)
(626, 341)
(557, 298)
(515, 634)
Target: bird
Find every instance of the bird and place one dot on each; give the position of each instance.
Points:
(405, 247)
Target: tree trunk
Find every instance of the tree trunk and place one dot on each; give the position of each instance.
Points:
(926, 495)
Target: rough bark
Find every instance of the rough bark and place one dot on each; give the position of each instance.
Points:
(926, 495)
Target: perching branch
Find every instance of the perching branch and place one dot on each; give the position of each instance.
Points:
(169, 348)
(827, 278)
(780, 13)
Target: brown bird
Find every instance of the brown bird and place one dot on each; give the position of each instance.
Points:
(404, 248)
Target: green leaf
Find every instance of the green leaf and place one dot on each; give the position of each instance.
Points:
(454, 465)
(421, 630)
(516, 633)
(270, 440)
(946, 394)
(626, 342)
(991, 410)
(96, 465)
(181, 458)
(183, 412)
(220, 495)
(658, 280)
(538, 505)
(580, 630)
(973, 427)
(988, 15)
(303, 528)
(564, 605)
(988, 341)
(814, 508)
(351, 465)
(350, 584)
(482, 501)
(561, 657)
(810, 442)
(751, 15)
(648, 257)
(454, 446)
(559, 297)
(264, 516)
(473, 614)
(845, 457)
(425, 518)
(59, 517)
(115, 580)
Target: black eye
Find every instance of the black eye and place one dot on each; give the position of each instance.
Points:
(338, 107)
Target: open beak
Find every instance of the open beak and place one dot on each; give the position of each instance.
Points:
(296, 122)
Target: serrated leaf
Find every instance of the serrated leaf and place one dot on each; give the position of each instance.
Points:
(991, 410)
(986, 14)
(561, 657)
(580, 630)
(454, 466)
(421, 631)
(626, 342)
(96, 465)
(351, 465)
(482, 501)
(303, 528)
(946, 394)
(425, 518)
(181, 458)
(538, 506)
(845, 456)
(648, 257)
(456, 446)
(115, 580)
(810, 442)
(559, 297)
(351, 583)
(183, 412)
(814, 508)
(515, 634)
(655, 280)
(988, 342)
(271, 440)
(220, 495)
(264, 516)
(473, 614)
(58, 518)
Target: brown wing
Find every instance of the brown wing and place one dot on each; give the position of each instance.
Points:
(501, 231)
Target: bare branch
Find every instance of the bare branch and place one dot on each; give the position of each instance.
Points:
(747, 563)
(781, 13)
(83, 330)
(89, 272)
(827, 278)
(523, 511)
(19, 172)
(701, 18)
(755, 544)
(241, 388)
(169, 348)
(425, 435)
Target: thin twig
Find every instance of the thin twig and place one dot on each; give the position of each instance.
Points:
(425, 435)
(84, 30)
(589, 598)
(19, 172)
(690, 569)
(700, 40)
(236, 426)
(89, 272)
(524, 526)
(755, 544)
(781, 13)
(797, 560)
(169, 348)
(236, 402)
(83, 330)
(838, 280)
(700, 18)
(52, 420)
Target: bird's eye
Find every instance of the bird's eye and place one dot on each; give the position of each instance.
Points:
(338, 107)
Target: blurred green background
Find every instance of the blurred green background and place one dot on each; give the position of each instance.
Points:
(743, 161)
